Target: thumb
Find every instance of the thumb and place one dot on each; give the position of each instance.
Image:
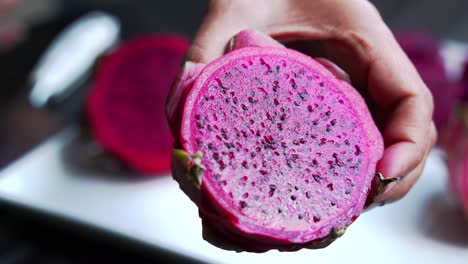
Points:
(223, 20)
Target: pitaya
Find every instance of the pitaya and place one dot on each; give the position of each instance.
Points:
(455, 144)
(456, 147)
(276, 152)
(125, 107)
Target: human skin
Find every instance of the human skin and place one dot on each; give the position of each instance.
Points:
(351, 34)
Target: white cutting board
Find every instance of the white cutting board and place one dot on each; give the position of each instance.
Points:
(424, 227)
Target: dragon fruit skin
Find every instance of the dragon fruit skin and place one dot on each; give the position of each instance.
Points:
(219, 186)
(125, 105)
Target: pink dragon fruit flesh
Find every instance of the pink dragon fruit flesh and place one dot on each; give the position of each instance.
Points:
(276, 152)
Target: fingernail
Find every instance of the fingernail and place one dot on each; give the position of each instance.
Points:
(380, 186)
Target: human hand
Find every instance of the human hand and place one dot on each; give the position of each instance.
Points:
(351, 34)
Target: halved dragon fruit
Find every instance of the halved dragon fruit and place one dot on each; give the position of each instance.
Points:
(275, 150)
(125, 107)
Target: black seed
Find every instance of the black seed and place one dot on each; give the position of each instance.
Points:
(243, 204)
(251, 100)
(258, 80)
(272, 190)
(293, 84)
(293, 197)
(303, 95)
(279, 126)
(348, 191)
(358, 150)
(317, 177)
(316, 218)
(279, 211)
(221, 164)
(224, 134)
(300, 216)
(245, 165)
(308, 194)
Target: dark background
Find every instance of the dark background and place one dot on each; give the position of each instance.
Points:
(24, 238)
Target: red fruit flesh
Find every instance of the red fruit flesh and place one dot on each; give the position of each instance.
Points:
(125, 107)
(289, 151)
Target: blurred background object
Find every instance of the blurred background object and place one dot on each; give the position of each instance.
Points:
(26, 29)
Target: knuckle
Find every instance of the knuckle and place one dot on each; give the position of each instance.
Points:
(373, 10)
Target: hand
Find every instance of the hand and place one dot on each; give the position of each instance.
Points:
(352, 34)
(11, 32)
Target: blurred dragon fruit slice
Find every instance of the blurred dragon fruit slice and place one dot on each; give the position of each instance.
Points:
(456, 148)
(125, 107)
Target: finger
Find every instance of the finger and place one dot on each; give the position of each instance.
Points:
(178, 92)
(252, 38)
(398, 91)
(405, 137)
(400, 188)
(223, 20)
(334, 69)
